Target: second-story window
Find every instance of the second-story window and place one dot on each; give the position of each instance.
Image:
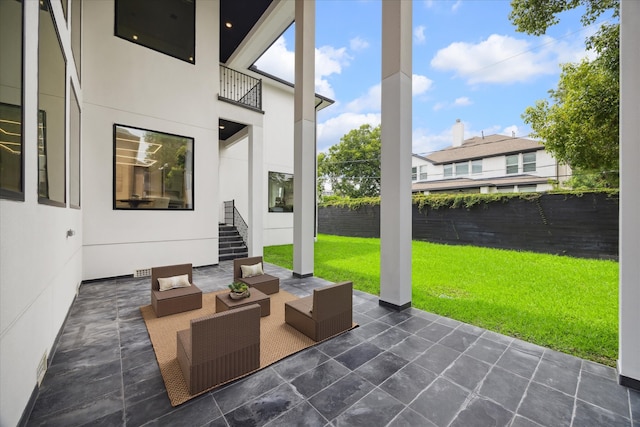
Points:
(512, 164)
(462, 168)
(414, 173)
(476, 166)
(529, 162)
(448, 170)
(423, 172)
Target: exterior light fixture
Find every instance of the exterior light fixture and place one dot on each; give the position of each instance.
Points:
(135, 37)
(221, 127)
(228, 24)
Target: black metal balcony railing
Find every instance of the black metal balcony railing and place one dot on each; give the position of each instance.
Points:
(240, 88)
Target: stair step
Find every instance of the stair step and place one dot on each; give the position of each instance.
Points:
(230, 243)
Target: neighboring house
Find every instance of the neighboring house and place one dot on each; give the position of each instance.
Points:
(487, 164)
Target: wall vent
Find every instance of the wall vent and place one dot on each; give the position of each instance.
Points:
(142, 272)
(42, 368)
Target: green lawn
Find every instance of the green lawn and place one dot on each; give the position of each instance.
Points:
(567, 304)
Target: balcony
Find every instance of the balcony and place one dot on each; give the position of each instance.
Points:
(240, 89)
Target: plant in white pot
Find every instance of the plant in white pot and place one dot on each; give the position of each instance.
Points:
(239, 290)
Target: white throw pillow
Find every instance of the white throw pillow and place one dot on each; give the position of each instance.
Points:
(167, 283)
(252, 270)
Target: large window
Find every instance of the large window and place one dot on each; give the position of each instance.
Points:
(529, 162)
(51, 117)
(74, 151)
(11, 159)
(448, 170)
(152, 170)
(462, 168)
(166, 26)
(512, 164)
(280, 192)
(476, 166)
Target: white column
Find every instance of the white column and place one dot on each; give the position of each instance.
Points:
(256, 190)
(395, 191)
(629, 339)
(304, 179)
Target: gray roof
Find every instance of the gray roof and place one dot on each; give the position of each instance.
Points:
(481, 147)
(455, 183)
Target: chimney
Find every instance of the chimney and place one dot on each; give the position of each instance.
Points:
(458, 133)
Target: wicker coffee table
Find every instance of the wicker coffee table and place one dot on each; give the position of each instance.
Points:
(224, 302)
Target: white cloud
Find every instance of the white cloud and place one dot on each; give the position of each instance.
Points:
(420, 84)
(456, 6)
(511, 130)
(463, 101)
(504, 59)
(418, 34)
(357, 44)
(367, 102)
(425, 142)
(280, 61)
(330, 131)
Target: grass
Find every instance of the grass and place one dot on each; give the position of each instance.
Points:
(567, 304)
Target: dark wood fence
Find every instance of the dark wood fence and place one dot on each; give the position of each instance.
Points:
(581, 226)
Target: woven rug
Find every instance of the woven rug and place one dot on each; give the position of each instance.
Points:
(277, 340)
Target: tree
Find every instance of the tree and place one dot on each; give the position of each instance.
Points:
(352, 166)
(580, 125)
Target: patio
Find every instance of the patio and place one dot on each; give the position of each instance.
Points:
(409, 368)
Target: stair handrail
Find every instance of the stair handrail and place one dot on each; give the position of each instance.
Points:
(233, 217)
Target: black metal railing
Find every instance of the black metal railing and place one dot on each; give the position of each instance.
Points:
(233, 217)
(240, 88)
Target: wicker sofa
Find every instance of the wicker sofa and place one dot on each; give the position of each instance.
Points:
(324, 314)
(174, 300)
(265, 283)
(219, 347)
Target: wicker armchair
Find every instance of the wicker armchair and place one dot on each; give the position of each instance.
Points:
(265, 283)
(326, 313)
(219, 347)
(174, 300)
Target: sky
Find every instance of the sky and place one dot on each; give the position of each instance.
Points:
(469, 63)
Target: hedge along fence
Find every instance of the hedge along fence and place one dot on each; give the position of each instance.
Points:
(576, 224)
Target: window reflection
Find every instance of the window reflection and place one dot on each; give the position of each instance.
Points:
(51, 117)
(11, 161)
(153, 170)
(280, 192)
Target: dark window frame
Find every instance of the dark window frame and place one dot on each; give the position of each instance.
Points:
(71, 204)
(4, 192)
(141, 207)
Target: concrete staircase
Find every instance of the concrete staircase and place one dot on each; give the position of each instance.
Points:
(231, 245)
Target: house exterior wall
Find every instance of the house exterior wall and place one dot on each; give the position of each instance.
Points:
(128, 84)
(40, 266)
(277, 104)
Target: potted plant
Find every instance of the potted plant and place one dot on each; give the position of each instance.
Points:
(239, 290)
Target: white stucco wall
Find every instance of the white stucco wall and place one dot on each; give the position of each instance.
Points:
(40, 267)
(277, 122)
(131, 85)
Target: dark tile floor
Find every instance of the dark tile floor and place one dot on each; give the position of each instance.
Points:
(409, 368)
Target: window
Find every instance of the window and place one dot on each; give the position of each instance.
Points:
(51, 118)
(76, 16)
(448, 170)
(476, 166)
(280, 192)
(505, 189)
(167, 26)
(11, 159)
(529, 162)
(414, 173)
(527, 188)
(152, 170)
(423, 173)
(74, 151)
(512, 164)
(462, 168)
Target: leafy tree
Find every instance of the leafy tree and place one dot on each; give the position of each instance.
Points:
(580, 125)
(352, 166)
